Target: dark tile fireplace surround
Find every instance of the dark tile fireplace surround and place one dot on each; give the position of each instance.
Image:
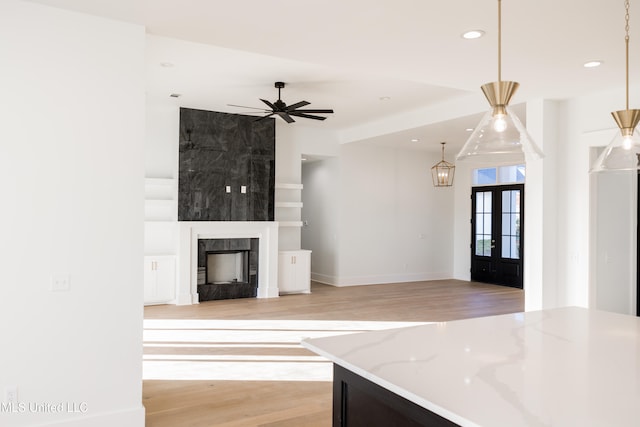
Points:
(226, 173)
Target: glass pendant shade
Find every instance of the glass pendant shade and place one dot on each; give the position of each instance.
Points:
(500, 136)
(623, 152)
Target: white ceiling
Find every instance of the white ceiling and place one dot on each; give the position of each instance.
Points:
(347, 54)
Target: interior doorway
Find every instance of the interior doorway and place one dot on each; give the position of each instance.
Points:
(497, 230)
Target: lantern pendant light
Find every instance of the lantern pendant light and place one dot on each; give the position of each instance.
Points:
(623, 152)
(500, 136)
(442, 172)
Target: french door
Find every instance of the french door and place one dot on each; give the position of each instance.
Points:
(497, 228)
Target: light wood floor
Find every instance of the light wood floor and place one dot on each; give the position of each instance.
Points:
(208, 403)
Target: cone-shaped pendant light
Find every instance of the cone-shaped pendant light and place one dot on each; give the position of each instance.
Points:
(623, 152)
(500, 136)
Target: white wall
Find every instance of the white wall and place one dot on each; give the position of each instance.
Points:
(320, 214)
(462, 221)
(615, 242)
(71, 176)
(161, 142)
(292, 141)
(394, 225)
(541, 287)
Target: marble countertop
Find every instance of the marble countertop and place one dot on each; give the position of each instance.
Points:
(563, 367)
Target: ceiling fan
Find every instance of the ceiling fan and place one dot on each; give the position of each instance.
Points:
(284, 111)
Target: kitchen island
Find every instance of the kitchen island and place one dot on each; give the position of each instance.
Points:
(561, 367)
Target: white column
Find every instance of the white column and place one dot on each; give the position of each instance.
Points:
(541, 233)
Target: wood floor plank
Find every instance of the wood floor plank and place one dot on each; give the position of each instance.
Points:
(217, 403)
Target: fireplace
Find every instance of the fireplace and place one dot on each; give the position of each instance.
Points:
(227, 268)
(190, 258)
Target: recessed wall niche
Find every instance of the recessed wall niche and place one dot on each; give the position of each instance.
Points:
(226, 167)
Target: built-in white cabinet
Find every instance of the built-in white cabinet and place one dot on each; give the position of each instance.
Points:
(294, 272)
(159, 279)
(160, 240)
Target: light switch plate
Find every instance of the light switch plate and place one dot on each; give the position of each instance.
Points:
(11, 394)
(228, 189)
(243, 189)
(59, 283)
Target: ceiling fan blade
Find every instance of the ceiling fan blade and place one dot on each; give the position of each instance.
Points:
(297, 105)
(316, 111)
(306, 116)
(244, 106)
(263, 117)
(286, 117)
(273, 107)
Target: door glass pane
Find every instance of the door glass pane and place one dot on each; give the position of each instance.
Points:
(483, 223)
(479, 245)
(506, 224)
(511, 224)
(506, 247)
(487, 202)
(487, 224)
(515, 247)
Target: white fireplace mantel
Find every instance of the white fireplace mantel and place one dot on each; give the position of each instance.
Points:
(191, 231)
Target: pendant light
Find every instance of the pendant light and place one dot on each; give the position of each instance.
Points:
(500, 136)
(442, 172)
(623, 153)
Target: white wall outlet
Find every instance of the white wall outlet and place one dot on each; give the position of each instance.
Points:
(228, 189)
(59, 283)
(11, 394)
(243, 189)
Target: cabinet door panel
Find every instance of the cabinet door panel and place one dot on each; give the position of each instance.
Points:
(294, 272)
(159, 279)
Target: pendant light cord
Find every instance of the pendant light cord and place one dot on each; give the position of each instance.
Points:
(626, 40)
(500, 40)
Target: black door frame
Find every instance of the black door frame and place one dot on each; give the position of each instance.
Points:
(494, 269)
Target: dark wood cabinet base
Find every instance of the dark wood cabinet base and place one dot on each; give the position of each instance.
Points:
(357, 402)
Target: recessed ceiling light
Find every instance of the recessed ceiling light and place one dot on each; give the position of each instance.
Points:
(166, 64)
(469, 129)
(415, 140)
(592, 64)
(304, 159)
(473, 34)
(385, 98)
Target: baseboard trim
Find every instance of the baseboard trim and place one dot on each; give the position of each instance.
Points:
(378, 280)
(323, 278)
(127, 418)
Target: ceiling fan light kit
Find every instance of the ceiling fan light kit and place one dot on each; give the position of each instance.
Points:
(500, 136)
(285, 112)
(623, 152)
